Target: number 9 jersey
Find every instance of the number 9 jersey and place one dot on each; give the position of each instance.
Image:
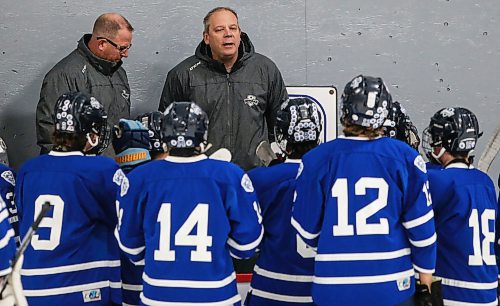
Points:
(365, 206)
(185, 217)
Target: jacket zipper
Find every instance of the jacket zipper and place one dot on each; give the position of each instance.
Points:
(229, 117)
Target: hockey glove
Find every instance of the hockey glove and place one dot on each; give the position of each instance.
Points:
(422, 295)
(131, 143)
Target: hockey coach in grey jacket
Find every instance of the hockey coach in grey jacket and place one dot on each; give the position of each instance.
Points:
(95, 68)
(239, 89)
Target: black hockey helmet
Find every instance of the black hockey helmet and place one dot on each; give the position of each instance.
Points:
(456, 129)
(366, 102)
(298, 120)
(152, 121)
(399, 126)
(185, 125)
(79, 113)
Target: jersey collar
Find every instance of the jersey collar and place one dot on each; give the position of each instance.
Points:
(358, 137)
(71, 153)
(191, 159)
(293, 161)
(459, 166)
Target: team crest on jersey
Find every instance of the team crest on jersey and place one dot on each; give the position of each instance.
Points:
(91, 295)
(9, 177)
(420, 164)
(121, 180)
(404, 284)
(246, 183)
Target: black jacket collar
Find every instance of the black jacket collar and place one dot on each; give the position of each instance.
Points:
(102, 65)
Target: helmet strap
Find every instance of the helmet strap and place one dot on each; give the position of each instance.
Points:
(438, 156)
(92, 143)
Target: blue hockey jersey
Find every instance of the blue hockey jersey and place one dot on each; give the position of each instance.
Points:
(284, 270)
(7, 242)
(364, 205)
(7, 184)
(184, 217)
(466, 214)
(73, 259)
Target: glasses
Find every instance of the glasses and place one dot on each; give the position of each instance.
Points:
(122, 49)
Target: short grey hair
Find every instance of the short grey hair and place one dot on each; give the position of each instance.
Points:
(215, 10)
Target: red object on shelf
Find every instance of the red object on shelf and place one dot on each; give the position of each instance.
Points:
(243, 277)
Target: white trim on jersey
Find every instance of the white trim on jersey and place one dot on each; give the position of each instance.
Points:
(302, 231)
(5, 271)
(280, 297)
(420, 269)
(468, 285)
(131, 251)
(248, 246)
(340, 280)
(190, 159)
(71, 153)
(458, 166)
(71, 268)
(69, 289)
(419, 221)
(229, 301)
(457, 303)
(4, 214)
(363, 256)
(234, 256)
(425, 242)
(292, 161)
(5, 240)
(180, 283)
(132, 287)
(283, 276)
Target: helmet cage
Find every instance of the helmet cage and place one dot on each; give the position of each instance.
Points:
(185, 125)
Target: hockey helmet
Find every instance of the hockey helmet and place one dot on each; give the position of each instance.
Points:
(152, 121)
(399, 126)
(185, 125)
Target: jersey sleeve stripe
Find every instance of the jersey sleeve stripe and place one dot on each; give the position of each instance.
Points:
(363, 256)
(65, 290)
(302, 231)
(425, 242)
(283, 276)
(230, 301)
(363, 279)
(459, 303)
(5, 240)
(246, 247)
(280, 297)
(115, 285)
(71, 268)
(469, 285)
(132, 287)
(5, 271)
(131, 251)
(419, 221)
(179, 283)
(4, 214)
(234, 256)
(420, 269)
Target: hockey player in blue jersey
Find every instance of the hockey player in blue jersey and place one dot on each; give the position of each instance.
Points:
(73, 259)
(285, 267)
(362, 204)
(466, 208)
(185, 215)
(7, 183)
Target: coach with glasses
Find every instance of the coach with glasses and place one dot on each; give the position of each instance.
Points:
(94, 67)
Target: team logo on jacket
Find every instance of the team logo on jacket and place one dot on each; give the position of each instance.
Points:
(246, 183)
(9, 177)
(251, 100)
(125, 94)
(91, 295)
(404, 283)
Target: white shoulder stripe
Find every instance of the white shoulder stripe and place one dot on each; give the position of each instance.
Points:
(342, 280)
(246, 247)
(419, 221)
(280, 297)
(230, 301)
(131, 251)
(457, 303)
(282, 276)
(302, 231)
(425, 242)
(65, 290)
(363, 256)
(179, 283)
(71, 268)
(469, 285)
(5, 240)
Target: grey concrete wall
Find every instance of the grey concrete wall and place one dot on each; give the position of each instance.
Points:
(433, 54)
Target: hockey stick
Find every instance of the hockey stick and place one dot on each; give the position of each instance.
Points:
(490, 152)
(27, 238)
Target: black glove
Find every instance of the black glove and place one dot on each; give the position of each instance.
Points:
(422, 295)
(130, 134)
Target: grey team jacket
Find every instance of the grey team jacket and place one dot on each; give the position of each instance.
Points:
(241, 105)
(82, 71)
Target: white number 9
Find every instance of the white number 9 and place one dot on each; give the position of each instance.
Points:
(54, 222)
